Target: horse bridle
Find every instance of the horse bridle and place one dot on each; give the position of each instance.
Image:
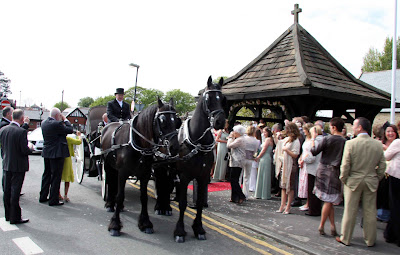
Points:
(211, 115)
(162, 138)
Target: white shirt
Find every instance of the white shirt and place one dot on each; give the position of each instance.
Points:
(120, 103)
(16, 123)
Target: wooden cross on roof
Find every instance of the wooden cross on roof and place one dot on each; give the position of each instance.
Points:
(296, 12)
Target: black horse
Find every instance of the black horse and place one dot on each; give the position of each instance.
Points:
(130, 149)
(196, 158)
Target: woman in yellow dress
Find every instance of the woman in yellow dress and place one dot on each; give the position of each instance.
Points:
(68, 172)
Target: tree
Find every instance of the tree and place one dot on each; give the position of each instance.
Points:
(184, 102)
(4, 85)
(62, 106)
(102, 101)
(371, 61)
(378, 61)
(144, 96)
(216, 81)
(85, 102)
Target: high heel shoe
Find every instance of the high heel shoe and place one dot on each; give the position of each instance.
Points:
(287, 211)
(321, 231)
(280, 211)
(333, 232)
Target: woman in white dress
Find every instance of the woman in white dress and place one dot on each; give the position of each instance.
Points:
(251, 147)
(222, 160)
(254, 166)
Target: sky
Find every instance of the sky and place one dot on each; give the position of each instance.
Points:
(84, 47)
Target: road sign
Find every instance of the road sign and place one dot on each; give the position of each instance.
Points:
(5, 103)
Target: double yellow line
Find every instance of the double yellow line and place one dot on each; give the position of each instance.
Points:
(214, 227)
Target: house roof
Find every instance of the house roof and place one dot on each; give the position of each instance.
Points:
(75, 112)
(296, 64)
(383, 80)
(35, 114)
(69, 111)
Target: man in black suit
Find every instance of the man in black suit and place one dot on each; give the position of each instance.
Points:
(7, 118)
(117, 109)
(14, 151)
(55, 150)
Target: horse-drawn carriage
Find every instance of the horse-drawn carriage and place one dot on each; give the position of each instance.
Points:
(88, 154)
(150, 141)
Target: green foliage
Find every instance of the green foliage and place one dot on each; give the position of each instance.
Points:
(102, 101)
(4, 85)
(184, 102)
(379, 61)
(144, 96)
(245, 112)
(371, 61)
(219, 78)
(85, 102)
(62, 106)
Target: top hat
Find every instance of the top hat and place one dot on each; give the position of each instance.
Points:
(119, 91)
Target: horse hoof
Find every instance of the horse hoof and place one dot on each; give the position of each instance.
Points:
(201, 237)
(179, 239)
(158, 212)
(168, 213)
(114, 232)
(110, 209)
(148, 231)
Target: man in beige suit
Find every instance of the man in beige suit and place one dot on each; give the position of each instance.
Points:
(363, 165)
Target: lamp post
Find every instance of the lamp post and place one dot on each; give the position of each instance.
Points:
(137, 71)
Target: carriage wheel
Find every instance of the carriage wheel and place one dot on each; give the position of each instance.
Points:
(104, 185)
(79, 160)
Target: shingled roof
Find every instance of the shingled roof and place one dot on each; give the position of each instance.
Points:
(296, 64)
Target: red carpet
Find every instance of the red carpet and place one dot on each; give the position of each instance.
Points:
(216, 186)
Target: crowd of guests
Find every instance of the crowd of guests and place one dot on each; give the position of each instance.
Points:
(301, 162)
(295, 161)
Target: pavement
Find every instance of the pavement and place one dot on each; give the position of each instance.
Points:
(295, 229)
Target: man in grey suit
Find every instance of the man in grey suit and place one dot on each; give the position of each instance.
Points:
(55, 150)
(14, 152)
(363, 165)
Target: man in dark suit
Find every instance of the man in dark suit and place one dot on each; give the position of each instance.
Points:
(7, 118)
(117, 109)
(55, 150)
(14, 151)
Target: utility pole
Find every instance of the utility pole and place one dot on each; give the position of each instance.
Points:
(62, 101)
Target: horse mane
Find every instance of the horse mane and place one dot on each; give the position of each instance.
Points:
(145, 123)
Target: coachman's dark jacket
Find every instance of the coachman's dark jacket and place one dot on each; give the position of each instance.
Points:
(115, 112)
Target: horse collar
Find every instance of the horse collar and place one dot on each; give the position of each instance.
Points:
(184, 136)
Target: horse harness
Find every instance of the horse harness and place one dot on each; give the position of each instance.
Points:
(154, 149)
(197, 146)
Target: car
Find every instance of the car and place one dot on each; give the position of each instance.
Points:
(35, 139)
